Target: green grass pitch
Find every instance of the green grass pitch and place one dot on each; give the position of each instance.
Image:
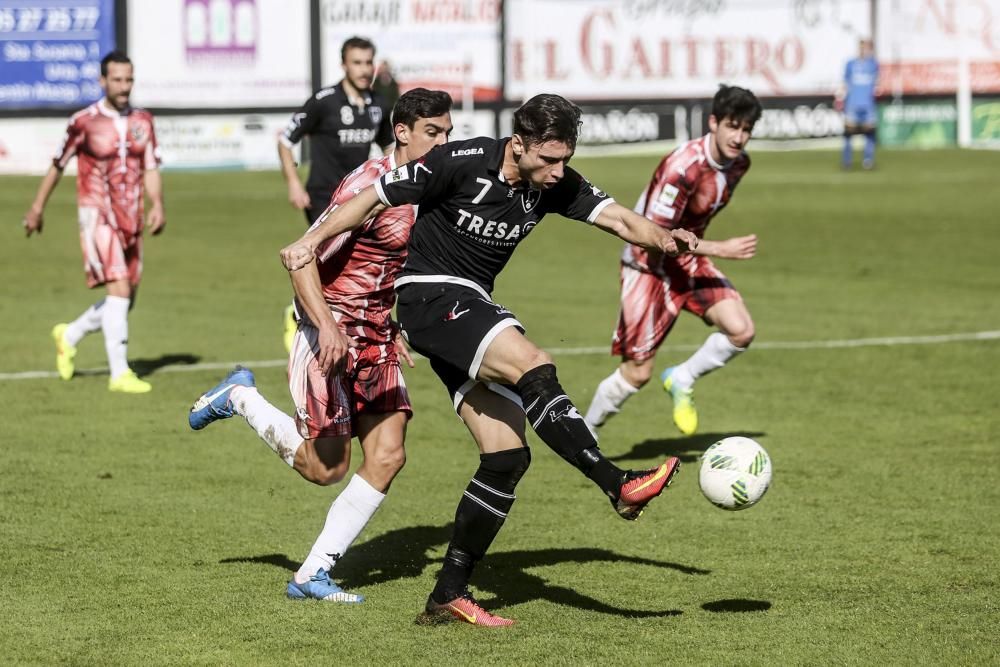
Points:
(128, 539)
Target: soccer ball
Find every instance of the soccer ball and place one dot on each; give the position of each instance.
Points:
(735, 473)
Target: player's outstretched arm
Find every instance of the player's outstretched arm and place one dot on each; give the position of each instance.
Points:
(155, 219)
(34, 218)
(336, 220)
(738, 247)
(634, 228)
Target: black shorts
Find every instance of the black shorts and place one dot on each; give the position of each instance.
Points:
(452, 325)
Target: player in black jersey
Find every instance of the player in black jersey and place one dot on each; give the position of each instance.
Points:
(477, 200)
(342, 122)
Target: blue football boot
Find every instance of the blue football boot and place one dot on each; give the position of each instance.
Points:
(321, 587)
(214, 404)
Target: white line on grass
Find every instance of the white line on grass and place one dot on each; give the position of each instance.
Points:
(889, 341)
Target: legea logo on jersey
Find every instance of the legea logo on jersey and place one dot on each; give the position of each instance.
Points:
(463, 152)
(220, 32)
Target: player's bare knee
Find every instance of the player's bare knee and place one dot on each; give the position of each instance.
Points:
(743, 337)
(538, 357)
(318, 463)
(388, 460)
(328, 476)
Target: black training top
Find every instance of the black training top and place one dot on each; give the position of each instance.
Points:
(340, 134)
(469, 220)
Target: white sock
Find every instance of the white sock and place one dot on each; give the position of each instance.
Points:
(611, 394)
(88, 322)
(114, 323)
(272, 425)
(348, 515)
(713, 353)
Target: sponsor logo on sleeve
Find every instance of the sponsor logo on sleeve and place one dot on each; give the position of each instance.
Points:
(668, 195)
(467, 151)
(396, 175)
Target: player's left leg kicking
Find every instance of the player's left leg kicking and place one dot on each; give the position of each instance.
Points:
(323, 413)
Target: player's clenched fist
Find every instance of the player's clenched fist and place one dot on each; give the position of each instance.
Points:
(678, 241)
(297, 255)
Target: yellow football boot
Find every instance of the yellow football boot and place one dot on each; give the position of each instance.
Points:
(64, 352)
(291, 326)
(685, 414)
(129, 383)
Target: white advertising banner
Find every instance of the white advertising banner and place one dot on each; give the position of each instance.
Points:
(451, 45)
(647, 49)
(219, 53)
(921, 42)
(220, 142)
(27, 145)
(186, 142)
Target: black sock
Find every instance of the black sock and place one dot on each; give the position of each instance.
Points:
(479, 517)
(558, 423)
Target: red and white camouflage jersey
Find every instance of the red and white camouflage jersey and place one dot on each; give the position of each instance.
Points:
(358, 269)
(113, 151)
(687, 189)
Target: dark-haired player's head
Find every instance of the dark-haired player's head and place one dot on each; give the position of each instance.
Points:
(357, 57)
(735, 111)
(866, 48)
(117, 79)
(546, 118)
(546, 128)
(421, 120)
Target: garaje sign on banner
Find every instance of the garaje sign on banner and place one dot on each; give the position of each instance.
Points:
(219, 53)
(646, 49)
(921, 41)
(450, 45)
(51, 51)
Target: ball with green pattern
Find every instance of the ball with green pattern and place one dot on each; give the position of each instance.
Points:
(735, 473)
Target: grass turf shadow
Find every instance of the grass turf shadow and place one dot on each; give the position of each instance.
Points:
(688, 449)
(736, 606)
(403, 553)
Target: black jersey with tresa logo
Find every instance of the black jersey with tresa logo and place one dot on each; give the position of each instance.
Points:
(469, 220)
(340, 134)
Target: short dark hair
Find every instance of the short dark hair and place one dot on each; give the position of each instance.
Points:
(115, 56)
(547, 118)
(736, 103)
(356, 43)
(420, 103)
